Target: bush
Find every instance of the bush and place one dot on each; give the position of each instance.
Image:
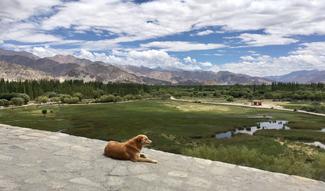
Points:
(106, 98)
(42, 99)
(9, 96)
(51, 94)
(4, 102)
(24, 96)
(129, 97)
(229, 98)
(44, 112)
(63, 96)
(55, 99)
(79, 95)
(71, 100)
(17, 101)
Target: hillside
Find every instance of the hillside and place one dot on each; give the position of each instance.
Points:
(196, 77)
(70, 67)
(303, 76)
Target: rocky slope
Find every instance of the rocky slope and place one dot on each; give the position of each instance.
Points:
(196, 77)
(303, 76)
(70, 67)
(14, 72)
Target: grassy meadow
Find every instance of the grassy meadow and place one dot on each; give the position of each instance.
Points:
(189, 128)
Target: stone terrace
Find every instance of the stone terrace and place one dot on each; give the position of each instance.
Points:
(40, 160)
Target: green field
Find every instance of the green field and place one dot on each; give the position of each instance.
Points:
(189, 128)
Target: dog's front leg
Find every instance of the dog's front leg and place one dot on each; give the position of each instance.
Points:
(140, 159)
(143, 155)
(146, 160)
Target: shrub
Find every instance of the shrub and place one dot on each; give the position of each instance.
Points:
(17, 101)
(79, 95)
(42, 99)
(24, 96)
(229, 98)
(51, 94)
(9, 96)
(55, 99)
(129, 97)
(107, 98)
(4, 102)
(44, 112)
(70, 100)
(63, 96)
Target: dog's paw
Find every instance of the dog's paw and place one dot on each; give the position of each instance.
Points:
(154, 161)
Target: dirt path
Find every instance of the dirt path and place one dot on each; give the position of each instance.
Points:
(251, 106)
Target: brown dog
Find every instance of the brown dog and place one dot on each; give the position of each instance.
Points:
(129, 150)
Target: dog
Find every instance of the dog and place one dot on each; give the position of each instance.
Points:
(129, 150)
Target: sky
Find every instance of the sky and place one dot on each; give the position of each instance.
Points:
(254, 37)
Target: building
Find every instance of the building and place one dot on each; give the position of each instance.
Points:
(257, 102)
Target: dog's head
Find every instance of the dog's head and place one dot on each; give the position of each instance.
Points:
(143, 139)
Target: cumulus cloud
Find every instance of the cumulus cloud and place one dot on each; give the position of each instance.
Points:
(25, 32)
(265, 39)
(204, 33)
(147, 58)
(280, 20)
(307, 57)
(181, 46)
(16, 10)
(166, 17)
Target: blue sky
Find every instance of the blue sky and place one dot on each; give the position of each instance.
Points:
(259, 38)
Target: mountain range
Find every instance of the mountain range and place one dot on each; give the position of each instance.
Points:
(302, 76)
(24, 65)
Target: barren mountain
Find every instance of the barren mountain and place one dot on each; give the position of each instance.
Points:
(303, 76)
(70, 67)
(196, 77)
(14, 72)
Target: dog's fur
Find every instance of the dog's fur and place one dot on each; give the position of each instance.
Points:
(129, 150)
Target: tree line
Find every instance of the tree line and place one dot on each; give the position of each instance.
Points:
(96, 90)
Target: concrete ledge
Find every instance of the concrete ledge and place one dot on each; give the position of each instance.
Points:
(41, 160)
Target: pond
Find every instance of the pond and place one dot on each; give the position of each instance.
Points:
(317, 144)
(276, 124)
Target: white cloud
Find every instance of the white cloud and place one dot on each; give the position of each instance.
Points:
(147, 58)
(16, 10)
(181, 46)
(204, 33)
(207, 32)
(167, 17)
(263, 40)
(308, 57)
(280, 20)
(26, 32)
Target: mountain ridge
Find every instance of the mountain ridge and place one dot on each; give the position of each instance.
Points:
(301, 76)
(70, 67)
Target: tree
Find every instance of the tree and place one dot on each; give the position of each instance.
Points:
(44, 112)
(70, 100)
(79, 95)
(229, 98)
(107, 98)
(4, 102)
(17, 101)
(42, 99)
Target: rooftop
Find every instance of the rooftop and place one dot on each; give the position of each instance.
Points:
(41, 160)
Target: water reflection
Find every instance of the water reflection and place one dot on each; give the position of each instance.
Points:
(277, 124)
(317, 144)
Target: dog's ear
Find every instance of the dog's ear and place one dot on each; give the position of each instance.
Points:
(139, 139)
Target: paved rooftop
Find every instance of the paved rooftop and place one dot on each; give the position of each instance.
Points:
(40, 160)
